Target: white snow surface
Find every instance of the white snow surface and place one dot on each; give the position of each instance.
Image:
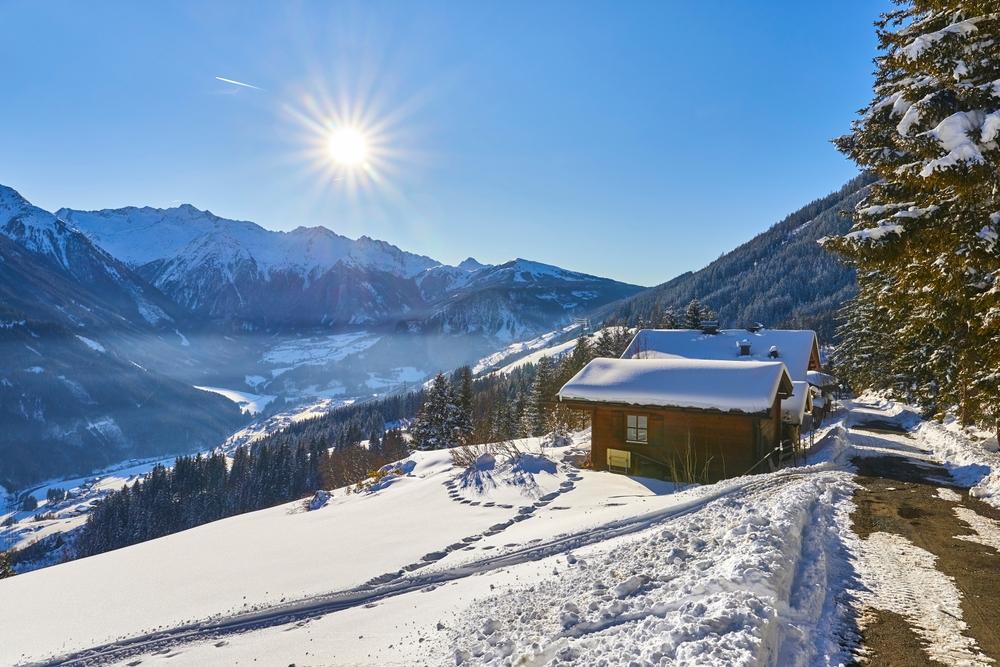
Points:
(92, 344)
(535, 348)
(794, 347)
(249, 403)
(920, 44)
(953, 133)
(794, 408)
(579, 564)
(319, 350)
(740, 386)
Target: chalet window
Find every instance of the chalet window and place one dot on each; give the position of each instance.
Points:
(636, 429)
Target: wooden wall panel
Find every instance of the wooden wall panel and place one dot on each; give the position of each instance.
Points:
(727, 444)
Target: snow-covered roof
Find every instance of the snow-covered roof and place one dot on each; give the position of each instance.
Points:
(749, 386)
(794, 347)
(820, 379)
(794, 408)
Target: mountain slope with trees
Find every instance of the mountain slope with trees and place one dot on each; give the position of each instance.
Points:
(781, 278)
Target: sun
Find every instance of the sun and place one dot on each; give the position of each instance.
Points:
(348, 147)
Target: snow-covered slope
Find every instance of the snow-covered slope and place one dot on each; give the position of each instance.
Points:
(570, 563)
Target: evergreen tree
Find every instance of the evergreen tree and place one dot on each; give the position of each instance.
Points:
(668, 319)
(394, 445)
(535, 419)
(463, 400)
(693, 315)
(6, 570)
(438, 424)
(924, 239)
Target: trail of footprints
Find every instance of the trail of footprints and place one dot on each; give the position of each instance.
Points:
(524, 513)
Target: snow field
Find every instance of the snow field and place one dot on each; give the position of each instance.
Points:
(262, 558)
(248, 403)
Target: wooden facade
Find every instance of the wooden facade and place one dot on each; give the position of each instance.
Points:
(711, 444)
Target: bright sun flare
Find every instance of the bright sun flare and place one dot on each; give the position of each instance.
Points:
(348, 147)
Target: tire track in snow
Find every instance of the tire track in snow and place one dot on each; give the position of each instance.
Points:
(381, 588)
(902, 578)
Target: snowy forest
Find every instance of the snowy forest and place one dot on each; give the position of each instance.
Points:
(925, 323)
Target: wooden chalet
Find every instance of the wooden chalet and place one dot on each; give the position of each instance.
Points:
(708, 419)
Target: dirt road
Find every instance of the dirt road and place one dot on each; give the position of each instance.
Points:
(930, 565)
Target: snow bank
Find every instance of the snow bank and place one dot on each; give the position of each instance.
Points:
(970, 455)
(741, 386)
(716, 587)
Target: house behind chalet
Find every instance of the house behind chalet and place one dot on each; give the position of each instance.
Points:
(699, 404)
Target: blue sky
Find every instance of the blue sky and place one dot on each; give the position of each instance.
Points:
(632, 140)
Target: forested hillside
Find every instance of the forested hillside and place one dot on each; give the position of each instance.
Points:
(781, 278)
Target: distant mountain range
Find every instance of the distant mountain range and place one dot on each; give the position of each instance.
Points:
(108, 319)
(239, 272)
(781, 277)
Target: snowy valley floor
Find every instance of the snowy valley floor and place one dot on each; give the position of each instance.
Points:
(875, 549)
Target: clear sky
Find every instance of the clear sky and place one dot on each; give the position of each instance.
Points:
(626, 139)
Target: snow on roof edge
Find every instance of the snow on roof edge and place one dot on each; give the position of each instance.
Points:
(703, 384)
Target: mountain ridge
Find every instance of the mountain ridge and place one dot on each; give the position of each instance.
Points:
(234, 270)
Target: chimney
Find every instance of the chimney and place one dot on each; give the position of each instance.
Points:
(710, 326)
(773, 352)
(744, 346)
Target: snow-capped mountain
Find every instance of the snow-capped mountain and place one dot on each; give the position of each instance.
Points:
(176, 239)
(522, 298)
(233, 270)
(60, 274)
(76, 329)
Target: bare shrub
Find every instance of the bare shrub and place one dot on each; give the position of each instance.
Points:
(470, 455)
(685, 466)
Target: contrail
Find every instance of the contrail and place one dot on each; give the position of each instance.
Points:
(237, 83)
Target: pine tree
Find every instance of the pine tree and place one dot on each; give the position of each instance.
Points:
(693, 315)
(394, 445)
(583, 353)
(924, 239)
(439, 423)
(463, 401)
(6, 569)
(535, 419)
(668, 319)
